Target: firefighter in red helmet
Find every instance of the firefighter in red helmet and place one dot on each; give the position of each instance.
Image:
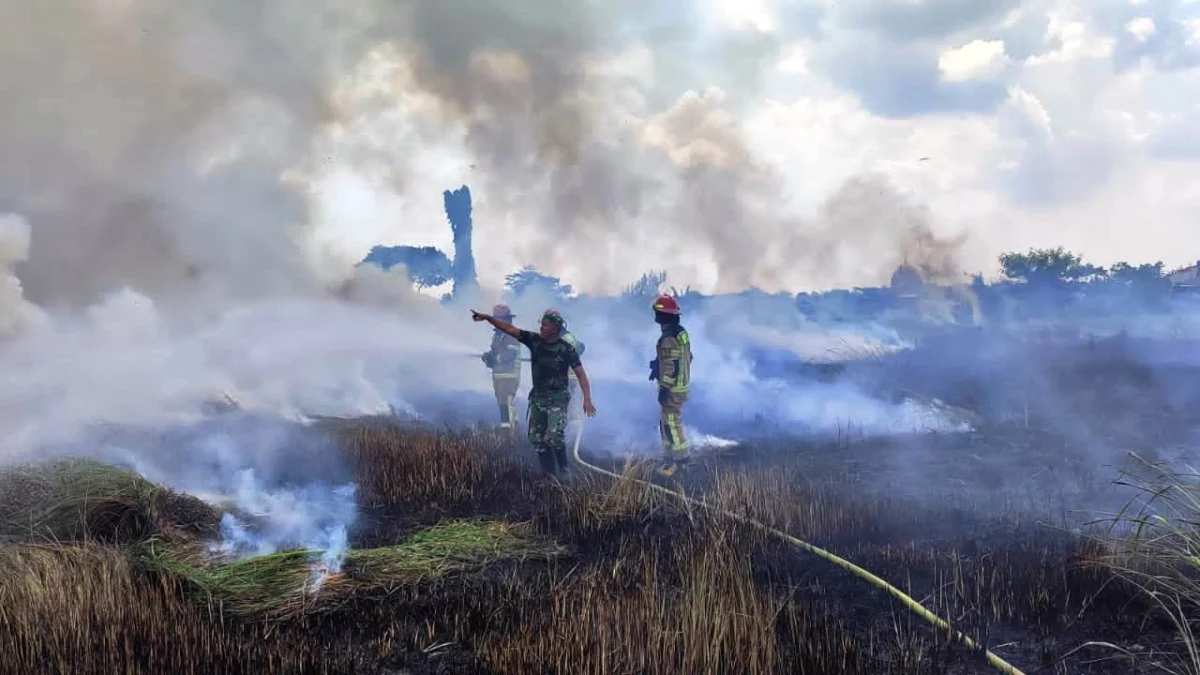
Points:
(504, 360)
(672, 370)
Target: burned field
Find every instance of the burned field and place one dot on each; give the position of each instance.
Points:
(465, 560)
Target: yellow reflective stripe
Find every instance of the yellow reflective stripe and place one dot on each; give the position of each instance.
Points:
(674, 433)
(505, 376)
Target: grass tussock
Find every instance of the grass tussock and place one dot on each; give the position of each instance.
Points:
(1153, 544)
(80, 499)
(288, 583)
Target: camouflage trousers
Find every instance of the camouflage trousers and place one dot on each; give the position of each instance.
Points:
(547, 429)
(547, 424)
(670, 427)
(505, 389)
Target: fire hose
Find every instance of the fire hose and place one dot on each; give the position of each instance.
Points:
(999, 663)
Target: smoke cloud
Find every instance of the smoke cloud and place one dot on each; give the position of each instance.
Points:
(171, 163)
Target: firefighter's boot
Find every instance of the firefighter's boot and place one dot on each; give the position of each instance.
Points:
(671, 466)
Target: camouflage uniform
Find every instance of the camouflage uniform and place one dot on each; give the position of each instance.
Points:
(549, 398)
(673, 370)
(504, 358)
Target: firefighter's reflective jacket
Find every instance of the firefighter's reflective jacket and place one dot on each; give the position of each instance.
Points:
(504, 357)
(674, 356)
(575, 342)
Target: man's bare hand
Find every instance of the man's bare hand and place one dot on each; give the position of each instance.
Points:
(477, 316)
(588, 408)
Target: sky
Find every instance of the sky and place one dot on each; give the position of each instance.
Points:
(788, 145)
(1016, 124)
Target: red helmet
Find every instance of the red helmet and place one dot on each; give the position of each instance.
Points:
(666, 304)
(502, 310)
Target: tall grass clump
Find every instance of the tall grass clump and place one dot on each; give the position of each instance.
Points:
(81, 499)
(1154, 544)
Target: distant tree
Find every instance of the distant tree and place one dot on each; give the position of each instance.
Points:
(425, 266)
(1145, 273)
(1146, 282)
(529, 278)
(686, 296)
(1047, 266)
(457, 204)
(646, 286)
(806, 303)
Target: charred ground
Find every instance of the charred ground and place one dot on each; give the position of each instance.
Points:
(469, 561)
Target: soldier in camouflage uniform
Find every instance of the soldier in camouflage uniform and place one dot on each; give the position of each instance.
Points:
(504, 360)
(551, 358)
(573, 380)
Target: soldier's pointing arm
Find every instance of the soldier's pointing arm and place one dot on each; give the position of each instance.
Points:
(502, 326)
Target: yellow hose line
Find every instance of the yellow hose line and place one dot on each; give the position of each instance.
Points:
(999, 663)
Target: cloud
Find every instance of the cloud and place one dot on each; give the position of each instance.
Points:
(1156, 32)
(978, 59)
(907, 21)
(1141, 28)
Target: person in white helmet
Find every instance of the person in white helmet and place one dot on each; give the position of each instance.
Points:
(504, 360)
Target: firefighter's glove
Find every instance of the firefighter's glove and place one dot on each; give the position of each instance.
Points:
(654, 370)
(488, 359)
(662, 396)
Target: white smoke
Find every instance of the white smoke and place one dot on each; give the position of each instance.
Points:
(123, 365)
(314, 517)
(17, 315)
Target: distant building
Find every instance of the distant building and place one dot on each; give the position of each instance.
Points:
(906, 281)
(1186, 279)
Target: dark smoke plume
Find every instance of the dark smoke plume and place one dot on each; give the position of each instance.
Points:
(173, 146)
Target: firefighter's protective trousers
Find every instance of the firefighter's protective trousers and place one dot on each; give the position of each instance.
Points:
(673, 354)
(670, 427)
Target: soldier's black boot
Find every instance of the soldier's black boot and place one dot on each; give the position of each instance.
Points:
(560, 454)
(546, 459)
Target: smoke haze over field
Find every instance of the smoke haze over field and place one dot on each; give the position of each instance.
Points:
(170, 161)
(187, 184)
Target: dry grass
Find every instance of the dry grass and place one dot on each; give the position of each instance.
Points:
(87, 608)
(603, 577)
(79, 499)
(1154, 545)
(285, 584)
